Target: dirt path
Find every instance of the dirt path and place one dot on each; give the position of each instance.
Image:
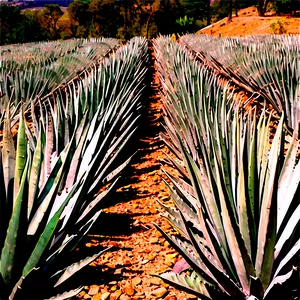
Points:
(138, 250)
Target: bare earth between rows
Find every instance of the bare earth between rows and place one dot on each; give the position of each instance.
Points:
(138, 249)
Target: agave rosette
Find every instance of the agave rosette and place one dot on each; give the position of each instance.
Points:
(33, 73)
(267, 66)
(237, 205)
(52, 183)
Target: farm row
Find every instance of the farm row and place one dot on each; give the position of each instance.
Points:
(64, 162)
(231, 112)
(237, 198)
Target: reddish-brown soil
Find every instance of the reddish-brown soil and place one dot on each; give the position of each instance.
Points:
(249, 23)
(139, 250)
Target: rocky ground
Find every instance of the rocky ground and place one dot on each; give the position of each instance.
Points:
(138, 249)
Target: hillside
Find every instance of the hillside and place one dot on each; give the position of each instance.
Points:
(248, 23)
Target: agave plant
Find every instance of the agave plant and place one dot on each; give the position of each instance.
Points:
(52, 183)
(237, 208)
(265, 65)
(31, 233)
(33, 73)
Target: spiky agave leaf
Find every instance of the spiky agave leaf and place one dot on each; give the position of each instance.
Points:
(60, 212)
(189, 284)
(234, 174)
(54, 65)
(265, 65)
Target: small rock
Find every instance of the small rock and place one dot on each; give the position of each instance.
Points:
(172, 255)
(153, 240)
(167, 226)
(191, 296)
(140, 295)
(97, 297)
(170, 259)
(114, 288)
(93, 290)
(166, 244)
(160, 292)
(135, 281)
(143, 262)
(108, 255)
(118, 271)
(169, 262)
(104, 296)
(151, 257)
(129, 290)
(153, 210)
(157, 233)
(155, 281)
(115, 295)
(127, 262)
(112, 282)
(81, 294)
(171, 297)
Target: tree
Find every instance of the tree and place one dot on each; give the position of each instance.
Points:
(198, 9)
(134, 18)
(229, 16)
(12, 24)
(262, 6)
(105, 18)
(151, 12)
(79, 18)
(34, 31)
(167, 14)
(49, 19)
(286, 6)
(219, 9)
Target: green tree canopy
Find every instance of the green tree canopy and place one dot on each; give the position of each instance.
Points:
(167, 14)
(105, 18)
(12, 24)
(79, 18)
(34, 31)
(49, 19)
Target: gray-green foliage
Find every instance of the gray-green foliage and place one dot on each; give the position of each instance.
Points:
(33, 70)
(237, 199)
(263, 65)
(53, 181)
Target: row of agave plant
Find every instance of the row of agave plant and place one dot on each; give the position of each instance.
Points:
(266, 66)
(29, 72)
(237, 196)
(63, 166)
